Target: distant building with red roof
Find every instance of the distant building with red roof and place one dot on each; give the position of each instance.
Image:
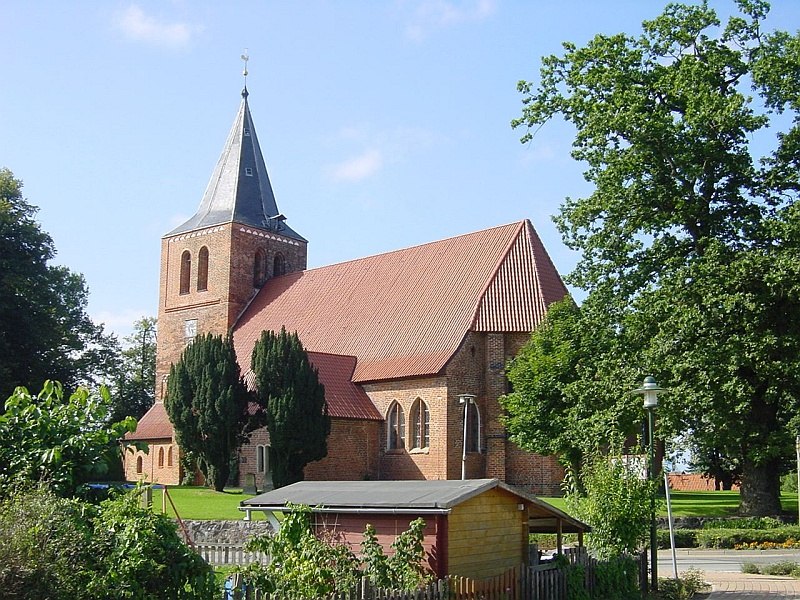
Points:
(410, 345)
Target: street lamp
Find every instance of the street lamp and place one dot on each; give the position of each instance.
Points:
(466, 400)
(650, 391)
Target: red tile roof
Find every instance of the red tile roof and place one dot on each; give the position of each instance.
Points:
(154, 425)
(345, 399)
(404, 313)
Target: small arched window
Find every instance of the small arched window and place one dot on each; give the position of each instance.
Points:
(139, 464)
(396, 423)
(161, 457)
(169, 456)
(202, 270)
(260, 268)
(473, 428)
(186, 271)
(262, 459)
(420, 425)
(278, 265)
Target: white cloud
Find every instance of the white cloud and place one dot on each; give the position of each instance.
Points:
(141, 27)
(439, 14)
(357, 168)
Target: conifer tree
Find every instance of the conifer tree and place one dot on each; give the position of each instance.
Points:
(207, 403)
(297, 415)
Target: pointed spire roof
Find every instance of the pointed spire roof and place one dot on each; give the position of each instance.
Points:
(239, 190)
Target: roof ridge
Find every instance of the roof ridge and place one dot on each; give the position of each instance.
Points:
(414, 247)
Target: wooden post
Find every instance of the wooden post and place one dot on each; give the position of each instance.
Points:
(559, 537)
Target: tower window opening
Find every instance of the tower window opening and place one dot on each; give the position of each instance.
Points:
(202, 270)
(186, 271)
(260, 268)
(278, 265)
(248, 171)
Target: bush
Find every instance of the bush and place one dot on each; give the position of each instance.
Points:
(617, 579)
(691, 583)
(684, 538)
(783, 568)
(66, 549)
(744, 523)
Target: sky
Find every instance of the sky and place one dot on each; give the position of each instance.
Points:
(384, 124)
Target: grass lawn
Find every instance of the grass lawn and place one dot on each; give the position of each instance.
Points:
(703, 504)
(203, 503)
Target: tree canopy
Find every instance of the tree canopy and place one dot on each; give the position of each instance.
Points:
(45, 331)
(297, 416)
(207, 403)
(134, 380)
(690, 133)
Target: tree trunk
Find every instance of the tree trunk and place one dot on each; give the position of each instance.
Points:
(760, 490)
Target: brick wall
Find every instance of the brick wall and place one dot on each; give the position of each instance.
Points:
(160, 463)
(408, 462)
(352, 454)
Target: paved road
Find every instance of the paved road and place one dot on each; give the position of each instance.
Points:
(723, 569)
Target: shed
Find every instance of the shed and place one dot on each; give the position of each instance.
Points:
(474, 528)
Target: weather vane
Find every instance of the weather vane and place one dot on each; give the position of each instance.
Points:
(245, 58)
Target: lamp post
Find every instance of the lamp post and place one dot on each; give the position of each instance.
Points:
(650, 391)
(466, 400)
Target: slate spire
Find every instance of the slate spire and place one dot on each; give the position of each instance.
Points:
(239, 190)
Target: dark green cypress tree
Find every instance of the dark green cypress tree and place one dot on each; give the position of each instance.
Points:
(297, 415)
(207, 403)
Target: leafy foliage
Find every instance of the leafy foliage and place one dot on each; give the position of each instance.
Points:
(207, 403)
(691, 583)
(134, 381)
(297, 414)
(45, 331)
(689, 240)
(309, 565)
(616, 504)
(61, 442)
(65, 549)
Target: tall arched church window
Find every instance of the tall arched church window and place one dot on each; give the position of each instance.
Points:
(278, 265)
(186, 271)
(473, 428)
(260, 268)
(202, 270)
(169, 457)
(160, 457)
(138, 464)
(396, 423)
(262, 459)
(420, 425)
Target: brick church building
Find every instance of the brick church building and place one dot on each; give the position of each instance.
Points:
(410, 345)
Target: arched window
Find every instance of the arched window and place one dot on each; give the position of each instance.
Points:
(396, 433)
(169, 456)
(186, 271)
(202, 270)
(420, 425)
(161, 457)
(138, 464)
(260, 268)
(473, 428)
(278, 265)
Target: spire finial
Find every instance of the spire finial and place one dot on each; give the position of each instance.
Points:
(245, 58)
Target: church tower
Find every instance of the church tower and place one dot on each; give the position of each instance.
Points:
(213, 264)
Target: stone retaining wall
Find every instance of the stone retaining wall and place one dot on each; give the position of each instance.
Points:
(225, 532)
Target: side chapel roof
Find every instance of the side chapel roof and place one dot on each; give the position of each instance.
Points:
(239, 189)
(405, 313)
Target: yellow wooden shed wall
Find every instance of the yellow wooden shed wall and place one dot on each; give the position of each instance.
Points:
(487, 535)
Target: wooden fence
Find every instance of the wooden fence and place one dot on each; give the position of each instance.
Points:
(228, 554)
(545, 581)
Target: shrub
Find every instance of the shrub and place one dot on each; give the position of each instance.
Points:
(744, 523)
(617, 579)
(687, 586)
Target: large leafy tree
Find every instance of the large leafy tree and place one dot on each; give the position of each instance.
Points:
(690, 133)
(135, 378)
(58, 441)
(297, 415)
(208, 404)
(45, 331)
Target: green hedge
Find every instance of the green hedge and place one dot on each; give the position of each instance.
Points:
(729, 538)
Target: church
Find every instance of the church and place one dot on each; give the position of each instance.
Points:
(411, 345)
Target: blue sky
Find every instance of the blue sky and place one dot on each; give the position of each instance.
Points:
(384, 124)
